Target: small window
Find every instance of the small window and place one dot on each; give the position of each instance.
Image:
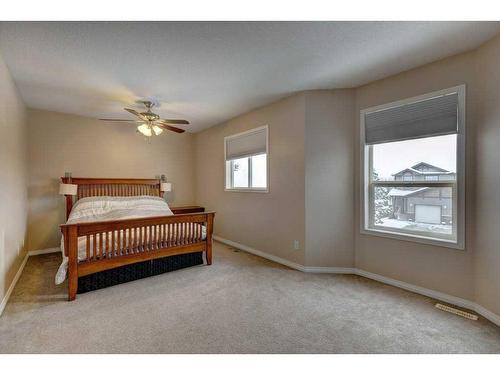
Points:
(413, 163)
(246, 160)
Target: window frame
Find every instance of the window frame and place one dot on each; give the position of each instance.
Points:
(431, 178)
(458, 186)
(228, 166)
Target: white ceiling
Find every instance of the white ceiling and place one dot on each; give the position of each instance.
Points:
(208, 72)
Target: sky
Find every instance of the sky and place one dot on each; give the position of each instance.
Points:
(390, 158)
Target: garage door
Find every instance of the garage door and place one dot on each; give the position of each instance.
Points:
(427, 214)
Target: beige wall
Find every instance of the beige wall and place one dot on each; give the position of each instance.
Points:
(13, 180)
(91, 148)
(471, 274)
(329, 158)
(310, 139)
(314, 177)
(486, 173)
(434, 267)
(269, 222)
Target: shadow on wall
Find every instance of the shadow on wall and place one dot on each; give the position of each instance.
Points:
(169, 197)
(3, 256)
(10, 261)
(46, 212)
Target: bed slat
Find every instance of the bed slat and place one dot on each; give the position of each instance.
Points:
(87, 246)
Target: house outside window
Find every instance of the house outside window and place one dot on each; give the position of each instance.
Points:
(412, 155)
(246, 161)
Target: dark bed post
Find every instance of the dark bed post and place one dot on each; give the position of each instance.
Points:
(69, 205)
(72, 235)
(210, 226)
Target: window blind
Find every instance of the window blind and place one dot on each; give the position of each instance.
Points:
(247, 144)
(430, 117)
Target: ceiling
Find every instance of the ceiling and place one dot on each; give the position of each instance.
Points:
(209, 72)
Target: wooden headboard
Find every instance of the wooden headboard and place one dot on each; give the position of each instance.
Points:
(112, 187)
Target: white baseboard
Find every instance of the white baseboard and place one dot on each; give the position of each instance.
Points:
(417, 289)
(491, 316)
(44, 251)
(340, 270)
(261, 254)
(457, 301)
(20, 271)
(13, 284)
(453, 300)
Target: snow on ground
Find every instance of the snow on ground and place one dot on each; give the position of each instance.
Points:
(422, 227)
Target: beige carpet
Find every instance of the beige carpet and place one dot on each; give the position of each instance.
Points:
(240, 304)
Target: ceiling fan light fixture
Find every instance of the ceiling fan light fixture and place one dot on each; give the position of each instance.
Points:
(150, 123)
(149, 130)
(157, 130)
(145, 130)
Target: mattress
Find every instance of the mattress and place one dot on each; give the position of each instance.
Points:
(103, 208)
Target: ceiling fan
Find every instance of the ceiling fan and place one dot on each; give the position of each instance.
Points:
(149, 123)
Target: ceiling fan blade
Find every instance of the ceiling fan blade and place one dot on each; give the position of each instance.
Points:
(168, 127)
(169, 121)
(118, 120)
(135, 113)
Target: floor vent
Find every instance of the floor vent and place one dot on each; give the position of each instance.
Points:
(452, 310)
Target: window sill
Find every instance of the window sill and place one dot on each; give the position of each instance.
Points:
(246, 190)
(414, 238)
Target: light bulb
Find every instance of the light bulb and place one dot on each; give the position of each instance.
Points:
(149, 130)
(145, 129)
(157, 130)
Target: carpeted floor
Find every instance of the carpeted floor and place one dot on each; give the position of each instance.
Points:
(240, 304)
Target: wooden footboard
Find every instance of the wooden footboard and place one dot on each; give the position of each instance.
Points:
(111, 244)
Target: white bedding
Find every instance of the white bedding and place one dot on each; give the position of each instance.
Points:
(105, 208)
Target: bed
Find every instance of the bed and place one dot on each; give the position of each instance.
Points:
(119, 227)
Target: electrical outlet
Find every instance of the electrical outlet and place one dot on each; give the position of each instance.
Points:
(296, 245)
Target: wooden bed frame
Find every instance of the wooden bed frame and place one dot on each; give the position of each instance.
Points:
(167, 235)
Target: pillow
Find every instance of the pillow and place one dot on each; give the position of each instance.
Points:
(104, 207)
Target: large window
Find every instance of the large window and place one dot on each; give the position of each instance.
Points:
(246, 159)
(413, 169)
